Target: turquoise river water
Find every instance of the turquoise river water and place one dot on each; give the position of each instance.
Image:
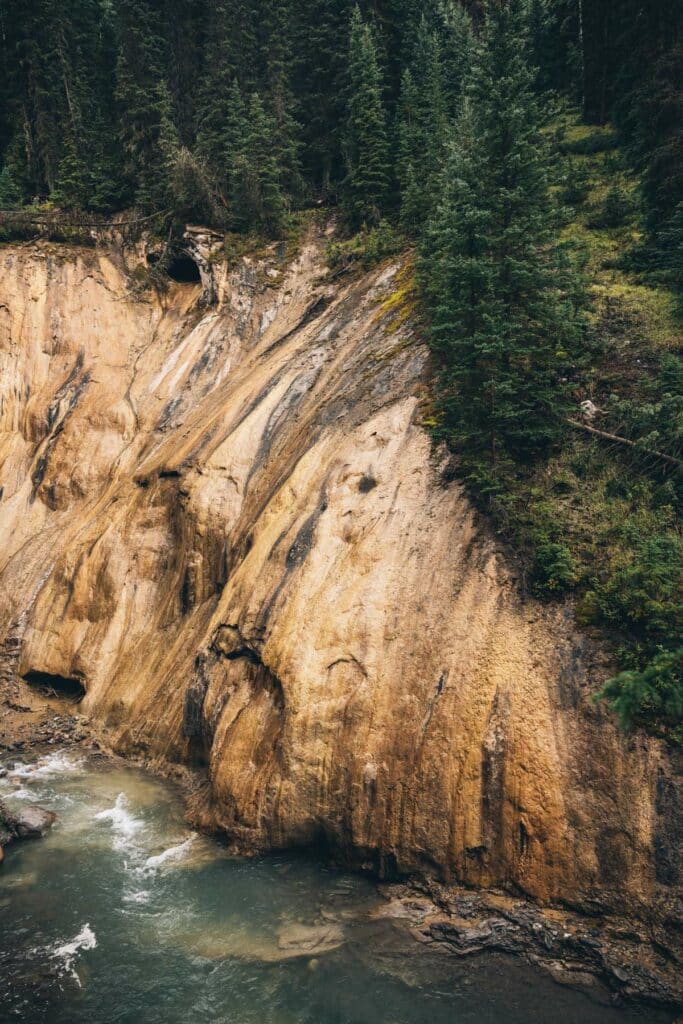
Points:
(122, 915)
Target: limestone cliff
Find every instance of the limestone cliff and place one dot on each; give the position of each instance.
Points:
(227, 522)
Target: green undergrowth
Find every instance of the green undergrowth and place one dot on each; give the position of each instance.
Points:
(367, 248)
(600, 521)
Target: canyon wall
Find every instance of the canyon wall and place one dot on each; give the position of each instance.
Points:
(226, 521)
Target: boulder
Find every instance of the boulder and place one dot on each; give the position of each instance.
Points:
(33, 822)
(27, 822)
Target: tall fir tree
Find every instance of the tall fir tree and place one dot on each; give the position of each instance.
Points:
(277, 60)
(56, 59)
(321, 28)
(258, 200)
(453, 26)
(422, 128)
(148, 134)
(504, 301)
(365, 144)
(221, 118)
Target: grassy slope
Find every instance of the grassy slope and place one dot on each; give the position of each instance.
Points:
(584, 520)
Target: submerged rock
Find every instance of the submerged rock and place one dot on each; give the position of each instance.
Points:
(305, 939)
(26, 822)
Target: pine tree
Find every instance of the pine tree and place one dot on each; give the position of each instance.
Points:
(221, 134)
(258, 200)
(277, 61)
(10, 190)
(503, 300)
(365, 145)
(55, 56)
(148, 134)
(454, 29)
(422, 129)
(183, 26)
(321, 28)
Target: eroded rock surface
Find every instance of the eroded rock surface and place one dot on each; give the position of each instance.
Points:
(226, 523)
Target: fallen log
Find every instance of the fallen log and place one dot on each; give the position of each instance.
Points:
(624, 440)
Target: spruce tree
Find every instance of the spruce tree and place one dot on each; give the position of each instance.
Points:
(321, 32)
(148, 134)
(365, 145)
(258, 200)
(422, 128)
(277, 60)
(503, 299)
(456, 44)
(222, 127)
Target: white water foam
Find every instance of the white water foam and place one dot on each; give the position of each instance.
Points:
(124, 824)
(142, 896)
(24, 794)
(51, 764)
(169, 856)
(67, 952)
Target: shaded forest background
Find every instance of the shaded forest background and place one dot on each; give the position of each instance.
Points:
(109, 103)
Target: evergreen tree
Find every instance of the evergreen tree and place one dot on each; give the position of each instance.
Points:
(222, 120)
(504, 315)
(321, 34)
(366, 149)
(258, 200)
(183, 26)
(10, 190)
(454, 31)
(277, 60)
(55, 55)
(148, 135)
(422, 129)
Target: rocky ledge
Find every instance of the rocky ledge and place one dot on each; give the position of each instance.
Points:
(605, 956)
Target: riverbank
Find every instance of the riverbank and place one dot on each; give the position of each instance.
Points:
(614, 961)
(123, 911)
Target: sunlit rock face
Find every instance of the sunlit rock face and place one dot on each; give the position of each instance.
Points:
(228, 524)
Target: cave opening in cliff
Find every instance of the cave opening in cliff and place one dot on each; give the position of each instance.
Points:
(59, 686)
(179, 267)
(183, 269)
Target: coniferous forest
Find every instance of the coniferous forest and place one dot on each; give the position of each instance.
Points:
(527, 155)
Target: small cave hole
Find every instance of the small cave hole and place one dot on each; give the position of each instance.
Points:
(184, 270)
(59, 686)
(180, 267)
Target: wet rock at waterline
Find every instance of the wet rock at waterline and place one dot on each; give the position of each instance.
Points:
(24, 822)
(309, 940)
(116, 916)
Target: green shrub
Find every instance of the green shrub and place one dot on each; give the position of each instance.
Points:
(368, 247)
(616, 209)
(652, 697)
(553, 571)
(642, 596)
(577, 184)
(598, 141)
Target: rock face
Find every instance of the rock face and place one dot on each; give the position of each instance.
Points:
(227, 524)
